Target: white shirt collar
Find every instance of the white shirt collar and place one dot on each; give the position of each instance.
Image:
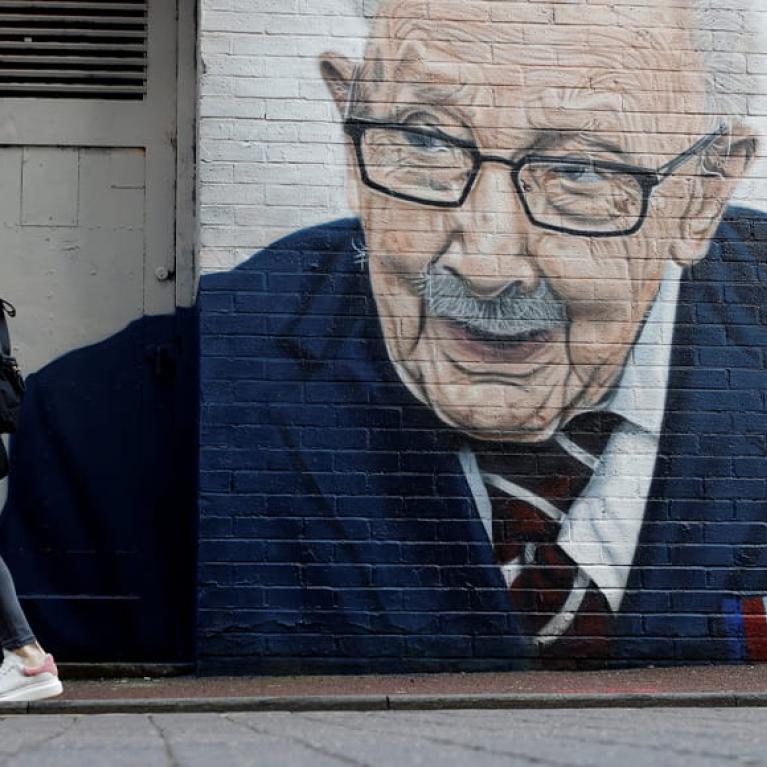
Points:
(640, 395)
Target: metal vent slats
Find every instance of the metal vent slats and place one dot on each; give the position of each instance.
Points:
(65, 48)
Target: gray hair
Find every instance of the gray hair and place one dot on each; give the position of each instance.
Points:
(725, 32)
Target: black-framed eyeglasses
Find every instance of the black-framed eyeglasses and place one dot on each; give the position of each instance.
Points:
(571, 195)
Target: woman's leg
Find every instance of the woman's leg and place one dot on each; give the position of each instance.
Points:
(15, 633)
(27, 673)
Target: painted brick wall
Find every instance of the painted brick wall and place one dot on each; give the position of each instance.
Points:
(266, 124)
(400, 463)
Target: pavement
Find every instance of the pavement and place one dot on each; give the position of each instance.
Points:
(483, 738)
(695, 686)
(710, 716)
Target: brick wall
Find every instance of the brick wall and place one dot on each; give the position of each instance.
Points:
(357, 514)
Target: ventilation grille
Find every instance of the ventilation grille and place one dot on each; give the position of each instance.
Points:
(71, 49)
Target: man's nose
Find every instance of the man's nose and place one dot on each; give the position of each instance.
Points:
(491, 250)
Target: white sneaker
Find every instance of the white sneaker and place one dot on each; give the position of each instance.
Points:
(19, 683)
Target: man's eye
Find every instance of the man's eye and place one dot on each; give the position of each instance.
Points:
(579, 174)
(427, 142)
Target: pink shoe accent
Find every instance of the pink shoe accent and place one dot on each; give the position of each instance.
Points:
(48, 667)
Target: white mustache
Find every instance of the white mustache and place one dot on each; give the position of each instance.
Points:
(511, 313)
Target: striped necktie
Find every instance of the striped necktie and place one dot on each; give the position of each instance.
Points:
(531, 489)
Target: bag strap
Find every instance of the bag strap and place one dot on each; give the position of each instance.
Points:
(5, 337)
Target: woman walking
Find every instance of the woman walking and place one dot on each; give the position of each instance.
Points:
(27, 672)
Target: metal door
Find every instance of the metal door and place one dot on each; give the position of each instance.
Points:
(90, 240)
(87, 204)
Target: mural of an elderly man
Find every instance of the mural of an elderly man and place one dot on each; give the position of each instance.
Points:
(515, 406)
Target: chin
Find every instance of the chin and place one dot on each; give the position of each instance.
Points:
(491, 424)
(492, 410)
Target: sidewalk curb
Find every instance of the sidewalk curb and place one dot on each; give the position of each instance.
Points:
(397, 702)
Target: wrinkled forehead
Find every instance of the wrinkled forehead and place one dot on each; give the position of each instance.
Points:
(479, 28)
(518, 63)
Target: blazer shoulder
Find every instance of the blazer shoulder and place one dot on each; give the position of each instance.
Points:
(327, 248)
(741, 237)
(302, 295)
(733, 270)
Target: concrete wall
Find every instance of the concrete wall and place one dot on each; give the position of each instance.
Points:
(400, 462)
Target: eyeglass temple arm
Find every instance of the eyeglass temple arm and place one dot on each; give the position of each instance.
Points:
(701, 144)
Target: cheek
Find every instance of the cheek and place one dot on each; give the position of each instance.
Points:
(591, 276)
(405, 237)
(607, 285)
(398, 308)
(601, 280)
(401, 241)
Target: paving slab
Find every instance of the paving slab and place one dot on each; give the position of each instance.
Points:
(716, 737)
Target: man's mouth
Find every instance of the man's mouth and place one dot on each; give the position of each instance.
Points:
(473, 345)
(508, 341)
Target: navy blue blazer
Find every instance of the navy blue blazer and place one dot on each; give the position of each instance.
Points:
(362, 537)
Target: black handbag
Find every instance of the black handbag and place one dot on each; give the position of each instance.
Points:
(11, 381)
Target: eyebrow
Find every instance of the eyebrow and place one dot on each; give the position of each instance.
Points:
(424, 95)
(442, 94)
(435, 93)
(606, 145)
(551, 139)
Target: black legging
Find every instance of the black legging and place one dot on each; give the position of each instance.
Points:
(14, 629)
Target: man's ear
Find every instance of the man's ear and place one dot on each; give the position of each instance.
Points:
(338, 73)
(721, 169)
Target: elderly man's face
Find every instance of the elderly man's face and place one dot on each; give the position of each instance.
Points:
(505, 328)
